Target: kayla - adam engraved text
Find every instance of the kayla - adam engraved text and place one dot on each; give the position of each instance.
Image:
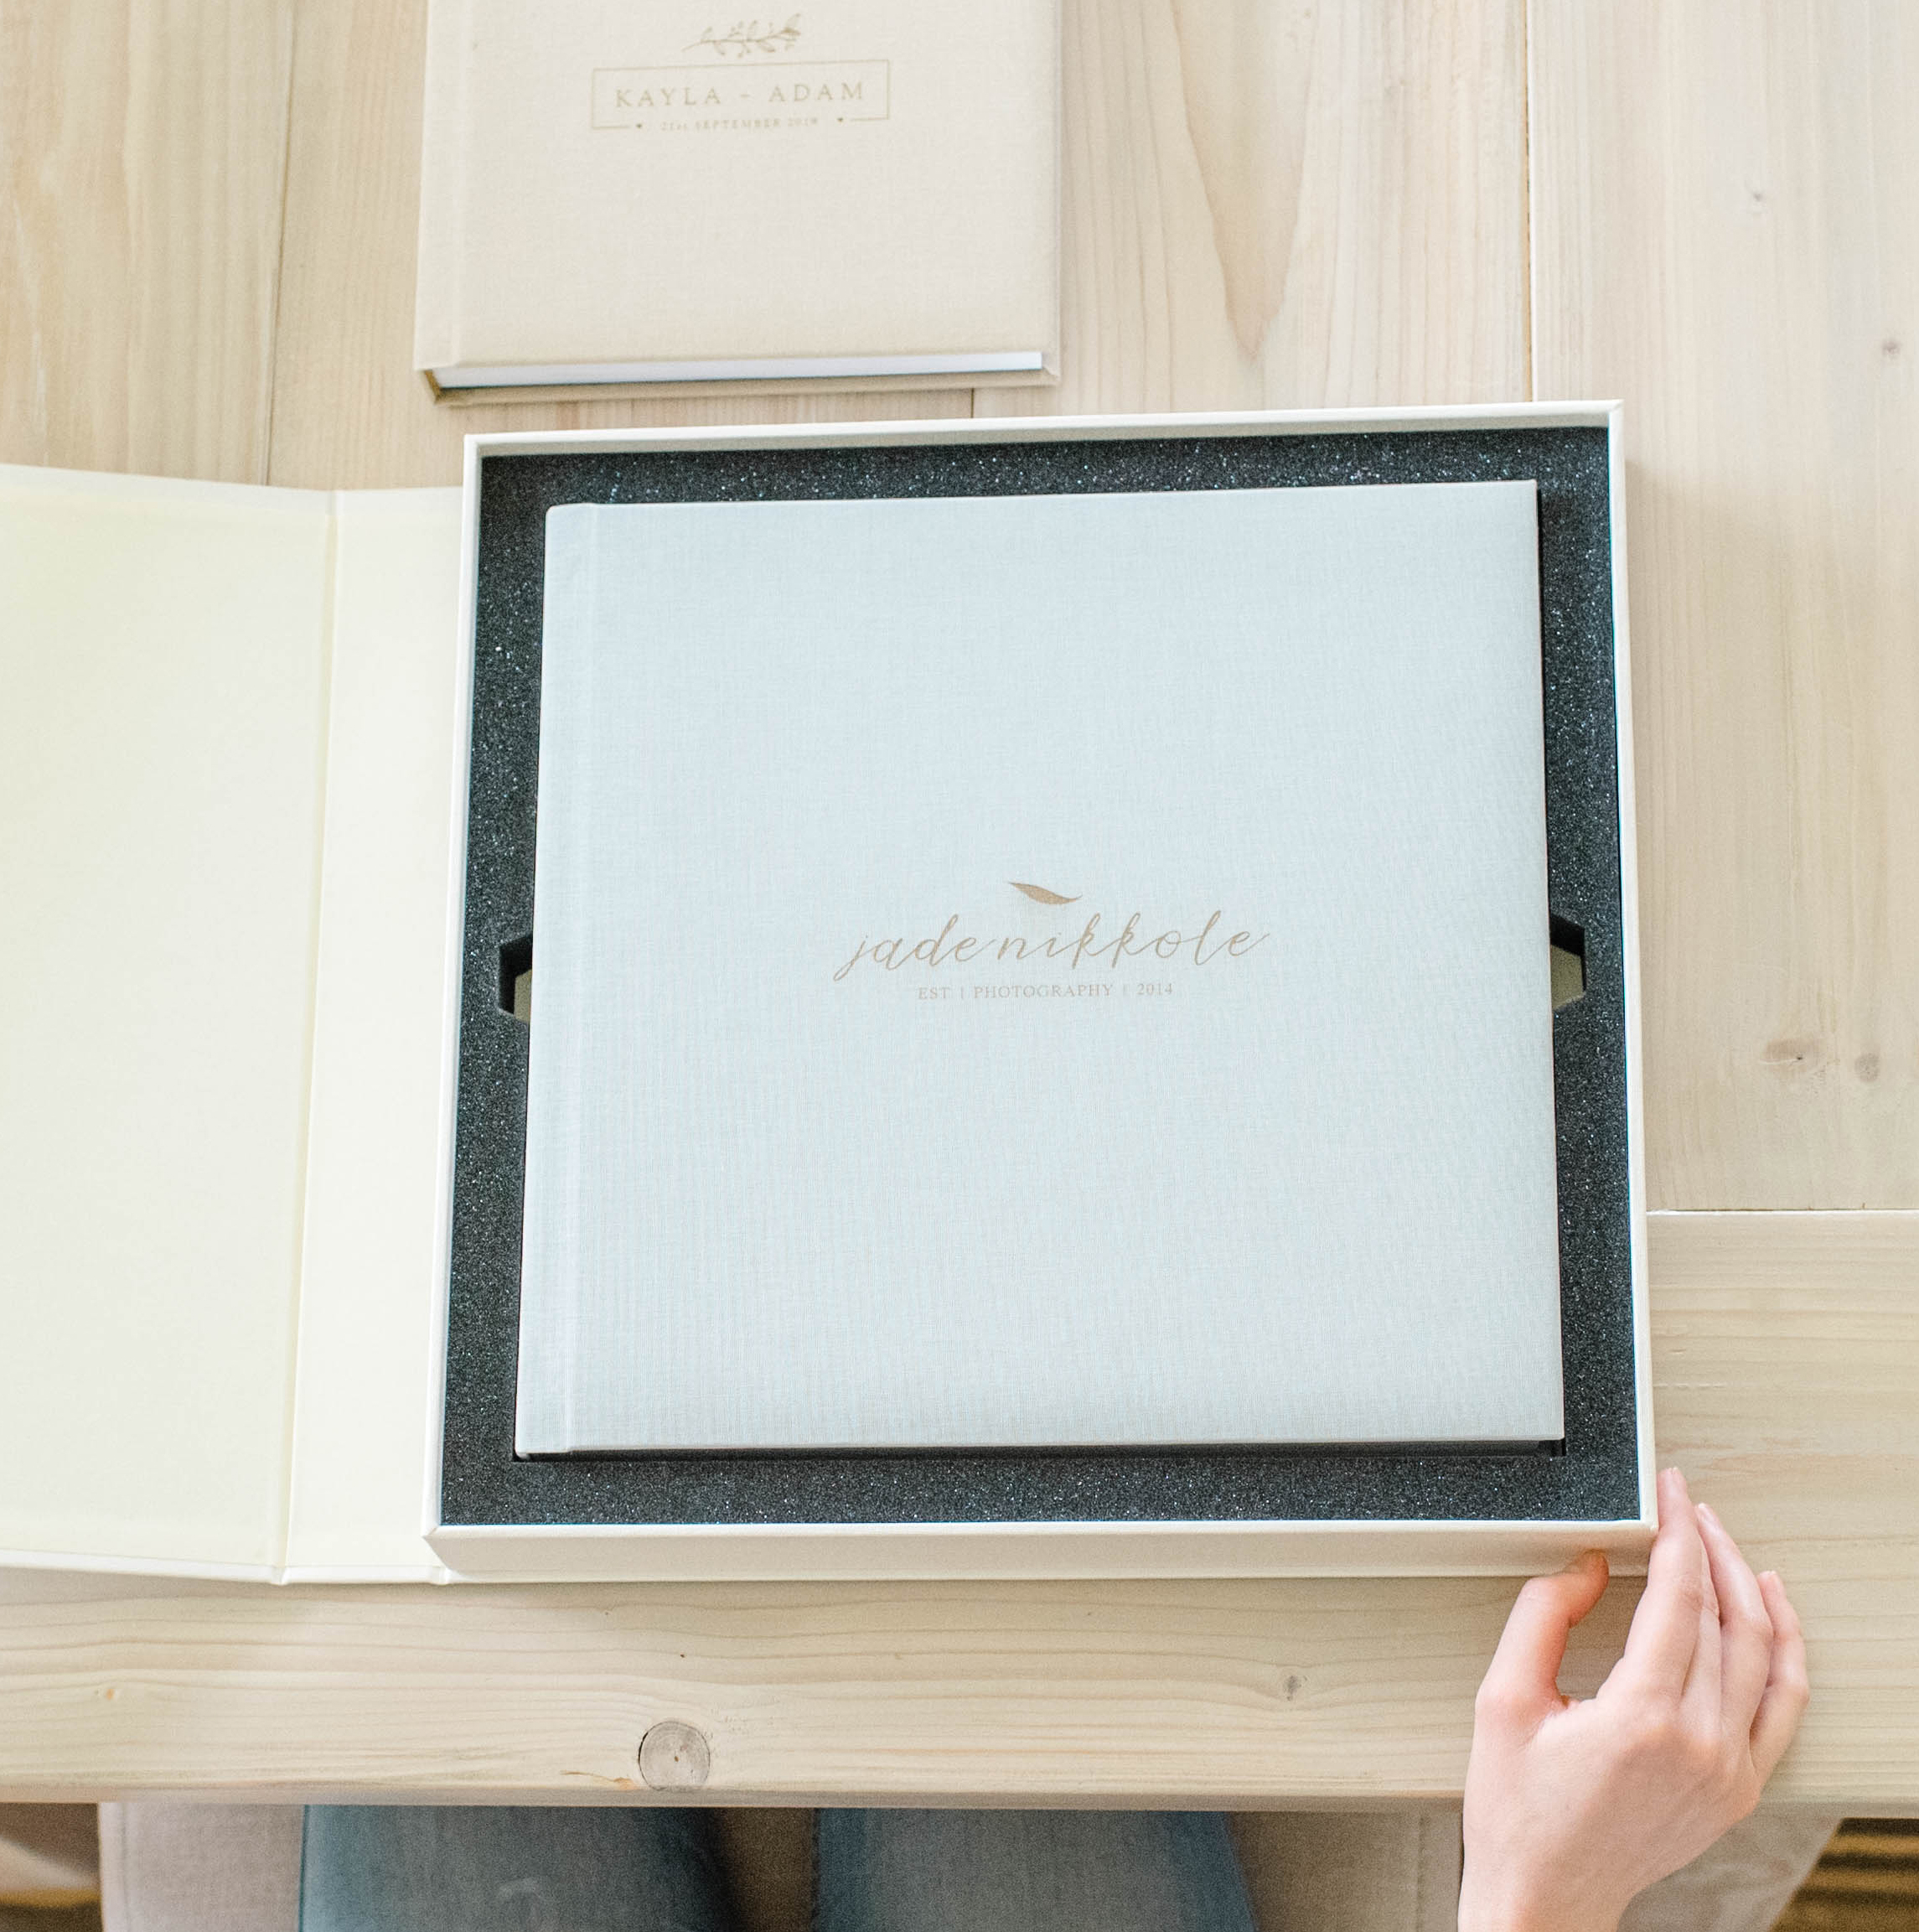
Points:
(782, 93)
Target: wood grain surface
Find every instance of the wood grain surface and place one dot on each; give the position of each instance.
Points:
(1725, 235)
(1785, 1350)
(207, 270)
(1288, 205)
(143, 158)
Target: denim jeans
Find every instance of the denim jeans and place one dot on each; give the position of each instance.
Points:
(417, 1868)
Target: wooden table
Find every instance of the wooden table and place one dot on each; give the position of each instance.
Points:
(1707, 209)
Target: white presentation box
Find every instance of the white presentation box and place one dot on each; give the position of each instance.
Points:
(1052, 997)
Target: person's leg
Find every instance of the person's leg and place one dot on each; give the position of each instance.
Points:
(1029, 1871)
(509, 1869)
(1352, 1871)
(1741, 1884)
(199, 1867)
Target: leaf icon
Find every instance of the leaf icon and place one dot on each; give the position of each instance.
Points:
(1040, 892)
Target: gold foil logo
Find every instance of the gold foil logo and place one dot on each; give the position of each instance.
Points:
(1192, 947)
(746, 38)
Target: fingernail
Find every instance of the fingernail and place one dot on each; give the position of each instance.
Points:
(1711, 1515)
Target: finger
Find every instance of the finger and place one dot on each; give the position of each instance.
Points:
(1746, 1628)
(1787, 1692)
(1700, 1702)
(1667, 1625)
(1523, 1675)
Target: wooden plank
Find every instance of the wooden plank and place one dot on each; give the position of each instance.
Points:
(1274, 204)
(142, 150)
(1785, 1353)
(1722, 200)
(1788, 1366)
(350, 410)
(1226, 1693)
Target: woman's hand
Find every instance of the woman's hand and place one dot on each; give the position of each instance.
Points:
(1573, 1806)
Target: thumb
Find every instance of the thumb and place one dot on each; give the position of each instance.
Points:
(1525, 1669)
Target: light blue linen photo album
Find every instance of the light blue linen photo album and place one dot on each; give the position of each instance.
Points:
(1038, 971)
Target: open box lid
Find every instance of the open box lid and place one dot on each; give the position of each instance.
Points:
(224, 823)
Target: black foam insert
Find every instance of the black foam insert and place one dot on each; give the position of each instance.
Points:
(1592, 1475)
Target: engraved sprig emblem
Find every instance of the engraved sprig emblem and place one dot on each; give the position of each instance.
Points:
(746, 38)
